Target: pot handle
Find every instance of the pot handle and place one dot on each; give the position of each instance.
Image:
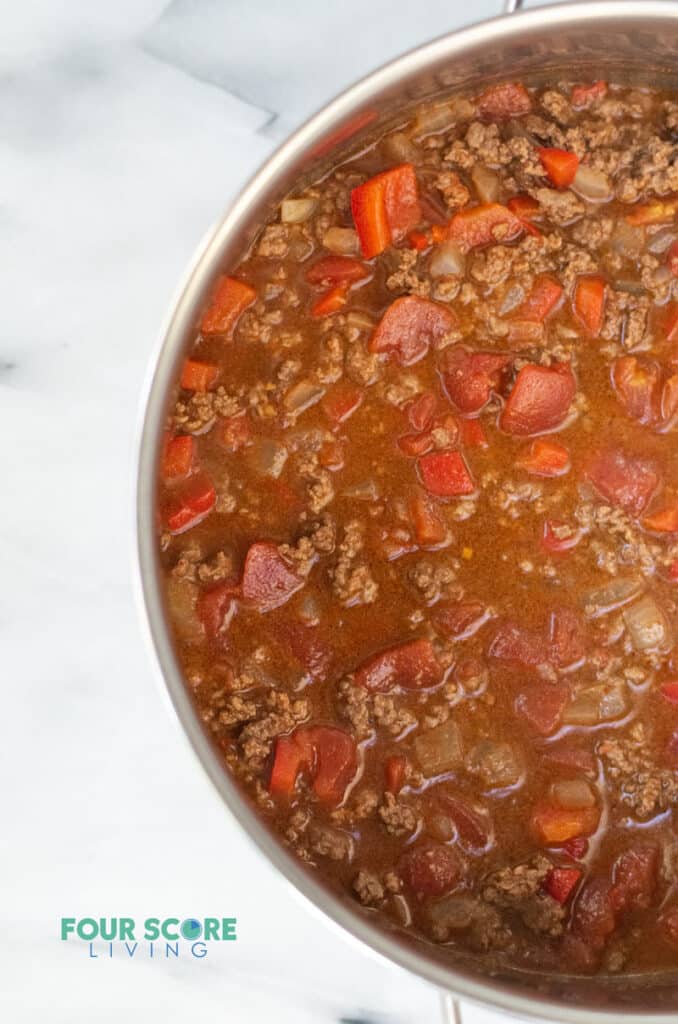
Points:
(510, 6)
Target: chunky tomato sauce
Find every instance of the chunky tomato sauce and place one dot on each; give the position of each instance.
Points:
(419, 506)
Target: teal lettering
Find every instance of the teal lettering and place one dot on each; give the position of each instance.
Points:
(67, 926)
(152, 926)
(165, 928)
(212, 928)
(126, 928)
(228, 929)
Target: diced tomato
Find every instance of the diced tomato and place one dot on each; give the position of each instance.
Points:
(526, 209)
(634, 878)
(197, 376)
(576, 848)
(429, 528)
(268, 581)
(539, 400)
(330, 301)
(420, 412)
(584, 95)
(637, 381)
(554, 826)
(308, 645)
(668, 405)
(418, 240)
(673, 571)
(336, 269)
(560, 883)
(560, 165)
(230, 298)
(459, 618)
(545, 458)
(670, 322)
(510, 99)
(189, 505)
(216, 606)
(472, 822)
(470, 378)
(665, 519)
(555, 540)
(445, 474)
(394, 773)
(473, 434)
(235, 432)
(593, 918)
(515, 643)
(659, 211)
(545, 295)
(670, 691)
(542, 705)
(588, 303)
(672, 259)
(413, 445)
(326, 753)
(430, 870)
(341, 401)
(566, 637)
(409, 326)
(483, 225)
(624, 480)
(412, 665)
(178, 457)
(385, 208)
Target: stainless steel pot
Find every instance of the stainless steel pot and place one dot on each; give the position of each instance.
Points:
(624, 40)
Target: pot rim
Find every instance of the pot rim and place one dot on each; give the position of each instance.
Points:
(483, 991)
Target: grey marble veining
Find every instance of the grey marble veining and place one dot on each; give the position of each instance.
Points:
(124, 131)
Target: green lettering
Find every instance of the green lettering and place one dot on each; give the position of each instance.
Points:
(166, 934)
(228, 929)
(152, 928)
(126, 928)
(67, 926)
(211, 928)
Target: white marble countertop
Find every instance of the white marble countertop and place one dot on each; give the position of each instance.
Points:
(126, 129)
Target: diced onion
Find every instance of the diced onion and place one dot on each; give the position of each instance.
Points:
(591, 184)
(182, 598)
(302, 395)
(443, 115)
(487, 183)
(341, 240)
(400, 148)
(453, 913)
(495, 763)
(661, 240)
(366, 490)
(613, 595)
(309, 610)
(447, 259)
(296, 211)
(440, 750)
(572, 794)
(596, 704)
(514, 296)
(647, 625)
(441, 827)
(268, 457)
(629, 285)
(626, 239)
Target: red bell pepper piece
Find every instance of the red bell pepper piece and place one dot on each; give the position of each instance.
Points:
(197, 376)
(409, 326)
(589, 303)
(178, 457)
(554, 826)
(268, 581)
(543, 705)
(445, 474)
(526, 209)
(412, 666)
(326, 753)
(459, 618)
(189, 505)
(429, 528)
(217, 605)
(539, 400)
(553, 543)
(330, 301)
(545, 296)
(624, 480)
(385, 208)
(419, 241)
(670, 691)
(482, 225)
(394, 773)
(560, 165)
(341, 401)
(665, 519)
(230, 298)
(470, 378)
(332, 270)
(638, 384)
(421, 410)
(510, 99)
(545, 458)
(584, 95)
(560, 883)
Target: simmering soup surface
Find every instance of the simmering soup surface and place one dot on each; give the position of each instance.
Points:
(419, 506)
